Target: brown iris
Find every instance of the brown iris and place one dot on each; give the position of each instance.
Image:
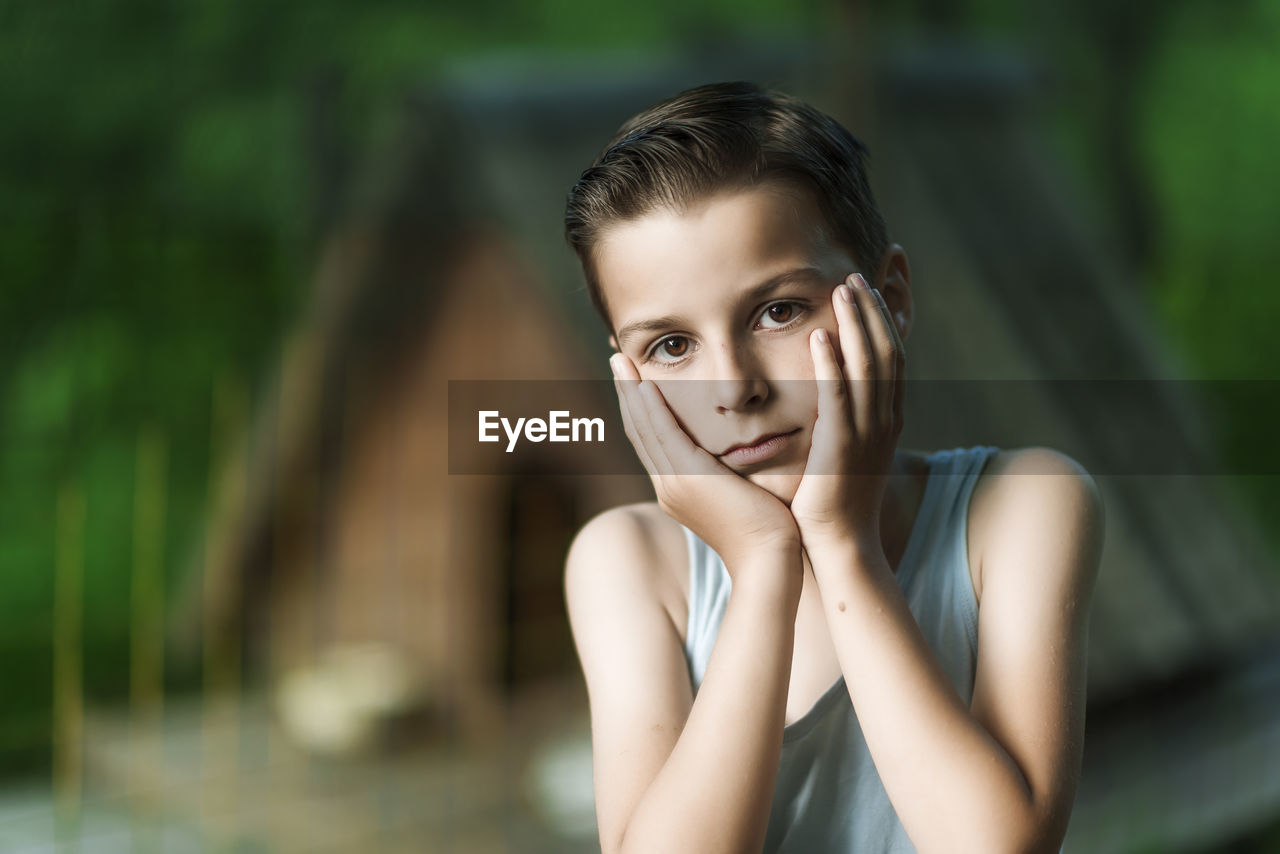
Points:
(675, 346)
(781, 312)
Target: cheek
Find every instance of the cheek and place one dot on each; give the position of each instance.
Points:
(791, 357)
(687, 400)
(799, 397)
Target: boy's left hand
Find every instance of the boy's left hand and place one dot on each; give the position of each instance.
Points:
(859, 420)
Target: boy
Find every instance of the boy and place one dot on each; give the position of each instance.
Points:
(787, 656)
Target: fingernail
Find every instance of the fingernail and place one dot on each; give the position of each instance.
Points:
(859, 282)
(846, 294)
(822, 336)
(613, 365)
(878, 295)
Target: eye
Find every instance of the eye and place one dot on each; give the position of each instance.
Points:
(669, 350)
(780, 314)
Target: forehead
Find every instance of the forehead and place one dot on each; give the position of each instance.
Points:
(692, 261)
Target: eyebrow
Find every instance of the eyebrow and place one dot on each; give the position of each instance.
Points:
(631, 330)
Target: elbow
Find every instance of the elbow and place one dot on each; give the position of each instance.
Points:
(1023, 832)
(1040, 846)
(1037, 824)
(644, 842)
(613, 843)
(1012, 844)
(1036, 834)
(620, 841)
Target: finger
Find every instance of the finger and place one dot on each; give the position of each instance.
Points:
(883, 342)
(859, 357)
(655, 440)
(625, 381)
(642, 414)
(831, 432)
(826, 364)
(629, 425)
(899, 371)
(683, 454)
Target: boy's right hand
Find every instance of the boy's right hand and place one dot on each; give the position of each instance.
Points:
(738, 519)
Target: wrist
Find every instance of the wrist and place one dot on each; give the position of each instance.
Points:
(864, 537)
(847, 550)
(767, 547)
(775, 573)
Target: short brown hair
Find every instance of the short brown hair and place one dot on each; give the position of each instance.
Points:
(717, 137)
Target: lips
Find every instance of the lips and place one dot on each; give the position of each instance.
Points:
(760, 449)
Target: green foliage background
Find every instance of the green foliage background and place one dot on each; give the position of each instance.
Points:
(158, 221)
(156, 227)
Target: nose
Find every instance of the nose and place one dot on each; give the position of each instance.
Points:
(738, 384)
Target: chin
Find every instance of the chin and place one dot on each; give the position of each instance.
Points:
(781, 484)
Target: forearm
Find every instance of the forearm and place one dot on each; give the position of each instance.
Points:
(714, 792)
(953, 786)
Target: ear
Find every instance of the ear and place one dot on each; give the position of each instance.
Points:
(894, 283)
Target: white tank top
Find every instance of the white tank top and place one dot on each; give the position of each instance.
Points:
(828, 796)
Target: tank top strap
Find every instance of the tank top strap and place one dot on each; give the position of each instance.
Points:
(960, 469)
(709, 588)
(940, 579)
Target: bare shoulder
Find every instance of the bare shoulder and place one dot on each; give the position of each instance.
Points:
(631, 655)
(1038, 518)
(1033, 492)
(642, 542)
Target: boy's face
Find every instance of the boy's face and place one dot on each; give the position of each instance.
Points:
(727, 295)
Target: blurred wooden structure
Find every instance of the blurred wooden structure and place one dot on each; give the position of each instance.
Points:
(1182, 747)
(1014, 286)
(348, 526)
(352, 527)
